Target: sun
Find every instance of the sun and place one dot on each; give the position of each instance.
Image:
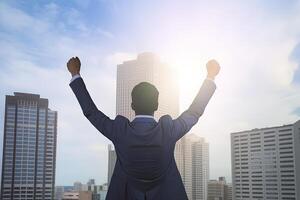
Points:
(191, 72)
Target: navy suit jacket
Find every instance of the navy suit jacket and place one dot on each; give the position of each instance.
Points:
(145, 166)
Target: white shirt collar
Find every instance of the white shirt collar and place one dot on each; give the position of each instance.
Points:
(144, 116)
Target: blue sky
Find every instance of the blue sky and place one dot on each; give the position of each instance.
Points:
(256, 43)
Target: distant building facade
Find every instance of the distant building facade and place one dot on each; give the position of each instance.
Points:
(59, 192)
(228, 191)
(266, 163)
(112, 158)
(70, 196)
(82, 195)
(77, 186)
(147, 68)
(194, 154)
(29, 148)
(219, 190)
(89, 191)
(86, 195)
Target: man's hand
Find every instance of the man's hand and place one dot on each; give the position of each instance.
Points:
(213, 69)
(74, 66)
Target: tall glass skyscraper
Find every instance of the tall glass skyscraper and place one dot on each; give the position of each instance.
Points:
(29, 148)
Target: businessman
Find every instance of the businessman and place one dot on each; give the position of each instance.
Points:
(145, 168)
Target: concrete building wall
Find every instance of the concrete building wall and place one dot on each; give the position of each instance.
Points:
(265, 163)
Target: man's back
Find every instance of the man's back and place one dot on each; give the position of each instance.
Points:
(145, 160)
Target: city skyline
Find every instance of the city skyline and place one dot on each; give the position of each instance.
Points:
(106, 33)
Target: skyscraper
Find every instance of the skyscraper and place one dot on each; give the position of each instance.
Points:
(147, 68)
(194, 154)
(112, 158)
(266, 163)
(29, 148)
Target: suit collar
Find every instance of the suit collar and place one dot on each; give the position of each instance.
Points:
(143, 118)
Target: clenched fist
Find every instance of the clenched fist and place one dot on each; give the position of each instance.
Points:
(213, 69)
(74, 66)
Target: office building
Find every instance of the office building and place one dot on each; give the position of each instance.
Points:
(147, 68)
(266, 163)
(194, 154)
(112, 157)
(29, 148)
(219, 190)
(228, 191)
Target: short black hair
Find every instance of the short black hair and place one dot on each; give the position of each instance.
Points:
(144, 99)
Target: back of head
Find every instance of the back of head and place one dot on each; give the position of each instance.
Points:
(144, 99)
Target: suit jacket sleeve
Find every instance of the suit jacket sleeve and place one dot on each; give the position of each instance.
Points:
(103, 123)
(190, 117)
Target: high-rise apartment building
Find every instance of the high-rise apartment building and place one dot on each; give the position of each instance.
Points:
(29, 148)
(194, 154)
(266, 163)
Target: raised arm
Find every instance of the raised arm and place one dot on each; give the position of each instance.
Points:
(190, 117)
(90, 111)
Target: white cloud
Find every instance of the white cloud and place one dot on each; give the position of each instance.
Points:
(17, 20)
